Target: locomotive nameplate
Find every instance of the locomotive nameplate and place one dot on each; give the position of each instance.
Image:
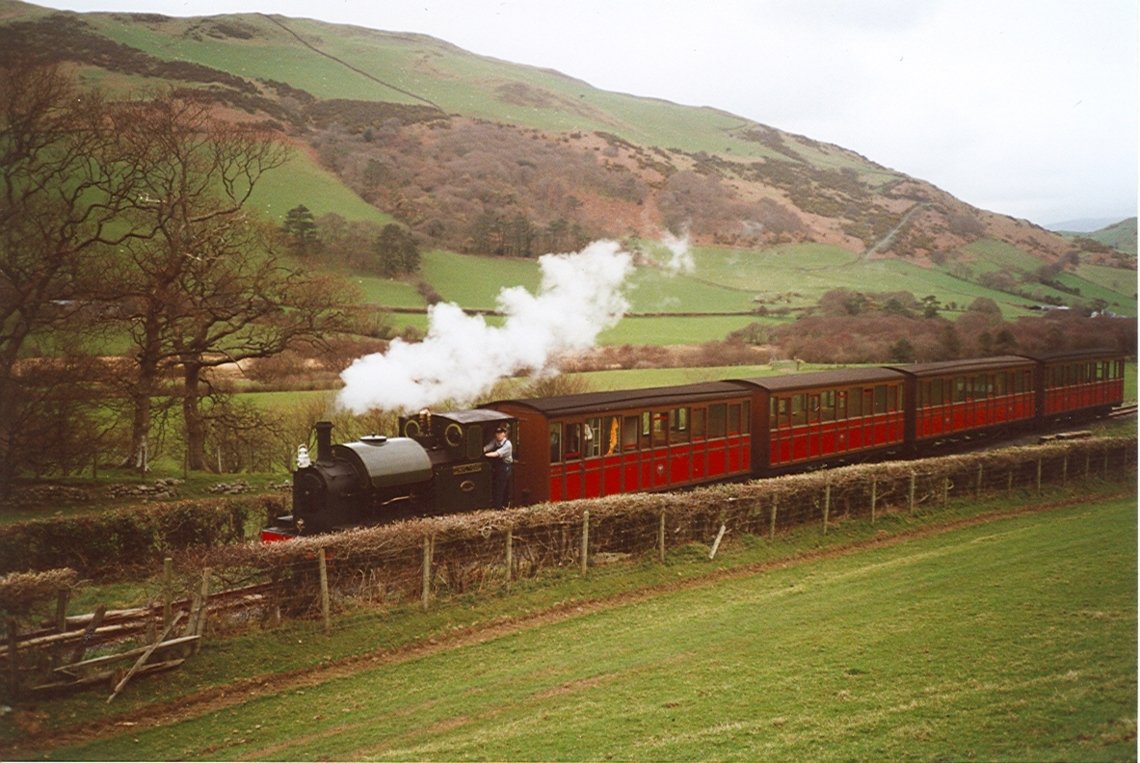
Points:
(467, 469)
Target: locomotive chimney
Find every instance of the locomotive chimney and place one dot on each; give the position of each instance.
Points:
(324, 440)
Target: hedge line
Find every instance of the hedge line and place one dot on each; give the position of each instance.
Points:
(102, 544)
(468, 551)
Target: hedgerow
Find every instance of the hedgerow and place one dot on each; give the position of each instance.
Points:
(107, 543)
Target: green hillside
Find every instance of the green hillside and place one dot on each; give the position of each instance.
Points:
(478, 156)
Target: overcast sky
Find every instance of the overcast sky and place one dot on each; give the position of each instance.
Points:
(1025, 107)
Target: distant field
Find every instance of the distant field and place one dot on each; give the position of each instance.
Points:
(1012, 639)
(303, 181)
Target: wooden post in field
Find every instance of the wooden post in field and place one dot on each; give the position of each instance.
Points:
(716, 543)
(585, 540)
(1039, 475)
(61, 599)
(200, 621)
(910, 494)
(167, 591)
(661, 538)
(1009, 483)
(322, 566)
(826, 505)
(1065, 470)
(425, 597)
(874, 496)
(978, 489)
(510, 556)
(13, 658)
(772, 523)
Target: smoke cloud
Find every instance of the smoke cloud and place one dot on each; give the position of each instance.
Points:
(580, 295)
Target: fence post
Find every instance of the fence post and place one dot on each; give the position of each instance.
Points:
(1039, 459)
(910, 494)
(1009, 483)
(978, 490)
(1065, 470)
(716, 543)
(426, 594)
(585, 540)
(324, 570)
(874, 496)
(661, 538)
(772, 525)
(826, 505)
(510, 556)
(167, 591)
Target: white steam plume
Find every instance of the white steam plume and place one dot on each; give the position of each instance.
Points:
(680, 258)
(461, 357)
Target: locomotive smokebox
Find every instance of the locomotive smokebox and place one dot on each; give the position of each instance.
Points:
(324, 440)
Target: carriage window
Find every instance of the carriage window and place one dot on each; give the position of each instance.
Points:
(592, 438)
(612, 435)
(629, 430)
(679, 425)
(827, 405)
(698, 428)
(841, 404)
(660, 428)
(746, 413)
(981, 387)
(855, 402)
(880, 398)
(555, 443)
(813, 408)
(734, 418)
(780, 412)
(959, 389)
(718, 415)
(572, 442)
(799, 412)
(1001, 385)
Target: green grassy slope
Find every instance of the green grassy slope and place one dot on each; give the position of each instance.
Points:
(1013, 639)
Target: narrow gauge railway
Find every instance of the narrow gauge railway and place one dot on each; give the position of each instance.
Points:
(666, 438)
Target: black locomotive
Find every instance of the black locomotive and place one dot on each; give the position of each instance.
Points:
(436, 467)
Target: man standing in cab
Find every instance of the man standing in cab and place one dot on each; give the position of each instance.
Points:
(501, 450)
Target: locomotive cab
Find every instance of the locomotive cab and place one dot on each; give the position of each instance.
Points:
(454, 441)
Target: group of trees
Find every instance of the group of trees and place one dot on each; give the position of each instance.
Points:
(127, 222)
(389, 250)
(851, 326)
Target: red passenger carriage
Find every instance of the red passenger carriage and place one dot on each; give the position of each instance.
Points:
(1078, 383)
(825, 417)
(963, 398)
(603, 443)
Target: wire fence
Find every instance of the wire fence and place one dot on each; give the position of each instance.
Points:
(434, 557)
(427, 559)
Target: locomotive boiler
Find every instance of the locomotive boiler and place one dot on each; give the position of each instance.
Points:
(436, 466)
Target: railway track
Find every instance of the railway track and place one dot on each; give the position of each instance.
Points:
(1123, 411)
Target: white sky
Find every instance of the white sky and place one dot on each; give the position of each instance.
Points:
(1025, 107)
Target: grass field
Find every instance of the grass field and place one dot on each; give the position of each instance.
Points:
(1011, 639)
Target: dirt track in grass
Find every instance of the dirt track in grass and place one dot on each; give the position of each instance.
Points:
(39, 741)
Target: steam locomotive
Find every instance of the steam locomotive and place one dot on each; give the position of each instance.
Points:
(605, 443)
